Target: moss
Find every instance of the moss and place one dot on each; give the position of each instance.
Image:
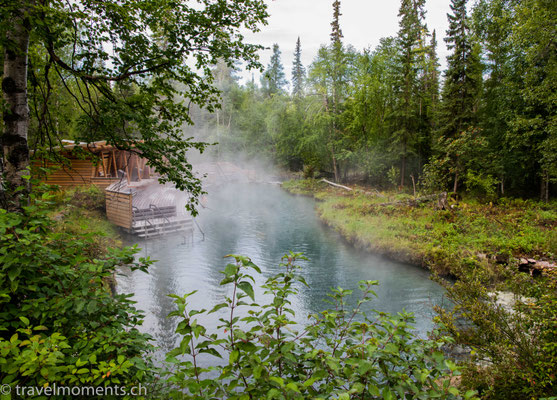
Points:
(469, 235)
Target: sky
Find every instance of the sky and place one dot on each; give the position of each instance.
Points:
(363, 23)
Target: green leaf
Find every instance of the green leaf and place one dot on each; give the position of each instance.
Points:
(247, 289)
(373, 390)
(24, 320)
(279, 381)
(231, 270)
(234, 354)
(92, 306)
(387, 394)
(14, 273)
(292, 386)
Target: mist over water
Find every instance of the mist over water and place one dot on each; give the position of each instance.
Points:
(263, 222)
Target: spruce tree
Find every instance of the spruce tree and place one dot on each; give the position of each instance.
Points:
(411, 14)
(432, 73)
(274, 79)
(462, 80)
(338, 65)
(298, 71)
(461, 90)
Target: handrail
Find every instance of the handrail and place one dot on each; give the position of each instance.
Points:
(156, 208)
(198, 227)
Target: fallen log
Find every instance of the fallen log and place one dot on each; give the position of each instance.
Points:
(336, 185)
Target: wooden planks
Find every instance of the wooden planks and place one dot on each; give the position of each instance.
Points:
(103, 183)
(78, 173)
(119, 208)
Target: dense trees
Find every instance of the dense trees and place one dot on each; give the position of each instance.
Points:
(385, 115)
(388, 116)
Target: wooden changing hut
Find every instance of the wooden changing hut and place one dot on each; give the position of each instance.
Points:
(95, 163)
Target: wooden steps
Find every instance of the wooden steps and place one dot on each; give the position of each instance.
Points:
(161, 226)
(156, 221)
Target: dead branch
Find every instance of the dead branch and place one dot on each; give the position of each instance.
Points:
(337, 185)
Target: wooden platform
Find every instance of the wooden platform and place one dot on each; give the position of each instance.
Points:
(147, 208)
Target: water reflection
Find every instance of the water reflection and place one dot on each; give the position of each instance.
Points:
(263, 222)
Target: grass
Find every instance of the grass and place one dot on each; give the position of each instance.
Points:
(469, 234)
(81, 210)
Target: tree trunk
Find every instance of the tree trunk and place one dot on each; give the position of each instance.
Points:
(403, 165)
(15, 150)
(546, 186)
(455, 185)
(335, 167)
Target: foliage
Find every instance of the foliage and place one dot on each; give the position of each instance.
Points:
(127, 72)
(512, 341)
(303, 186)
(393, 176)
(340, 353)
(59, 321)
(482, 186)
(274, 79)
(88, 197)
(362, 113)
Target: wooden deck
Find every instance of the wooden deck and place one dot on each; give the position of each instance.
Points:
(147, 208)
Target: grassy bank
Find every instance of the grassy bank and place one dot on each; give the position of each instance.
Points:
(81, 210)
(469, 233)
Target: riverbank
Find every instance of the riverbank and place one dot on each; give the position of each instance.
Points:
(468, 234)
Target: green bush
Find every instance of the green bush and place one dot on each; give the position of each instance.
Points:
(481, 186)
(339, 354)
(514, 345)
(59, 323)
(88, 196)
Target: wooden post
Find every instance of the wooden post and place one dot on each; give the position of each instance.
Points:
(104, 164)
(127, 161)
(136, 159)
(114, 163)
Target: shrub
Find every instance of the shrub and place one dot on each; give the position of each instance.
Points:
(340, 354)
(481, 186)
(514, 351)
(59, 323)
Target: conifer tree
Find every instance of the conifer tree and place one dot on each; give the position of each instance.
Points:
(298, 71)
(432, 73)
(411, 24)
(461, 90)
(337, 55)
(462, 80)
(338, 66)
(274, 79)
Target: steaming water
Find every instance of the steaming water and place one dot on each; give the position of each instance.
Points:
(263, 222)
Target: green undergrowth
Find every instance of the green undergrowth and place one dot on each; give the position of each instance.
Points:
(470, 233)
(81, 210)
(59, 322)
